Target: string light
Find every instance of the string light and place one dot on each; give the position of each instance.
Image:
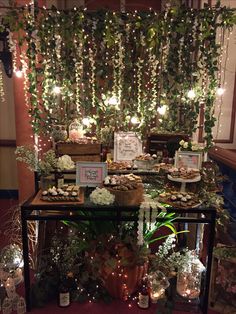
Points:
(220, 91)
(134, 120)
(191, 94)
(56, 90)
(113, 101)
(19, 73)
(162, 110)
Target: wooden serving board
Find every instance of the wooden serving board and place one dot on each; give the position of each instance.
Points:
(37, 200)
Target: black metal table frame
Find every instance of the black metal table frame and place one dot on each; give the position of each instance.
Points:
(207, 216)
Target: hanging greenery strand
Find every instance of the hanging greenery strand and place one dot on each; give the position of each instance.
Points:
(78, 60)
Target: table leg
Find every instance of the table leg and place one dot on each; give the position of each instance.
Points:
(209, 262)
(26, 260)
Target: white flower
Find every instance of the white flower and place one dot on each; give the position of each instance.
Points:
(65, 163)
(181, 142)
(195, 147)
(102, 196)
(185, 145)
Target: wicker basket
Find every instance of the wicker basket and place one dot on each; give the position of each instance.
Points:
(130, 197)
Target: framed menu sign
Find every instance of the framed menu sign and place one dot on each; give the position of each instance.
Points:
(90, 173)
(188, 159)
(127, 146)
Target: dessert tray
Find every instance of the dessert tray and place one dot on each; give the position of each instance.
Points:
(64, 195)
(180, 199)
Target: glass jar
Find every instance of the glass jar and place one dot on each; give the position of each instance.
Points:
(158, 283)
(189, 280)
(59, 133)
(75, 131)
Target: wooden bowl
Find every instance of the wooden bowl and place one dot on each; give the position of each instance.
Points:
(128, 198)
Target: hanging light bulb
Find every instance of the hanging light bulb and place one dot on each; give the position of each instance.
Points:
(134, 120)
(220, 91)
(19, 73)
(56, 90)
(113, 101)
(191, 94)
(86, 121)
(162, 110)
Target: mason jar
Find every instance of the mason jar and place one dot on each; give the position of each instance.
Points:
(189, 280)
(75, 130)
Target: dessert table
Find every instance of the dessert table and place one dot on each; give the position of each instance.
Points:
(33, 210)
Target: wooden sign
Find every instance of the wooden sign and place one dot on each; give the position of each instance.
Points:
(127, 146)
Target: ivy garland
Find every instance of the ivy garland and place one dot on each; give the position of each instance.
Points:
(143, 60)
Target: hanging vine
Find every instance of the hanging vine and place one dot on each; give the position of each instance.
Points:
(79, 60)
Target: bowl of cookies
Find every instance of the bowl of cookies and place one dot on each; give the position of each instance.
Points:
(145, 161)
(127, 189)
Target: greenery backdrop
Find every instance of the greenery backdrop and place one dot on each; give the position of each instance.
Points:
(111, 67)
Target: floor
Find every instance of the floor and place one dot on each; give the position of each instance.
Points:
(116, 307)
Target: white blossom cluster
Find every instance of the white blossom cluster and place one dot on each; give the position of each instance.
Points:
(65, 163)
(166, 256)
(102, 196)
(192, 146)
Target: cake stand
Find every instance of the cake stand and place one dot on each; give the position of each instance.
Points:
(184, 181)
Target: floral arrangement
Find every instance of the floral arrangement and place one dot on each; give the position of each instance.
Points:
(43, 166)
(190, 146)
(169, 260)
(102, 196)
(65, 163)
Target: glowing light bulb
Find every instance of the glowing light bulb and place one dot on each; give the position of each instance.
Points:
(134, 120)
(191, 94)
(162, 110)
(113, 101)
(220, 91)
(19, 73)
(86, 121)
(56, 90)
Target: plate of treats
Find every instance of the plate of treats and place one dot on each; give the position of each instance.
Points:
(180, 199)
(119, 165)
(128, 189)
(65, 194)
(184, 174)
(162, 166)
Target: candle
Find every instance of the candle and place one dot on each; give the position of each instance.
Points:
(156, 295)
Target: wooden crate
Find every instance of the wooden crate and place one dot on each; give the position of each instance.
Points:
(80, 152)
(158, 142)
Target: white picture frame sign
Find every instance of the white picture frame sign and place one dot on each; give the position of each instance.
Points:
(188, 159)
(90, 174)
(127, 146)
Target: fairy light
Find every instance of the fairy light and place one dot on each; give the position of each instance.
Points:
(162, 110)
(56, 90)
(2, 93)
(191, 94)
(19, 73)
(220, 91)
(113, 101)
(134, 120)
